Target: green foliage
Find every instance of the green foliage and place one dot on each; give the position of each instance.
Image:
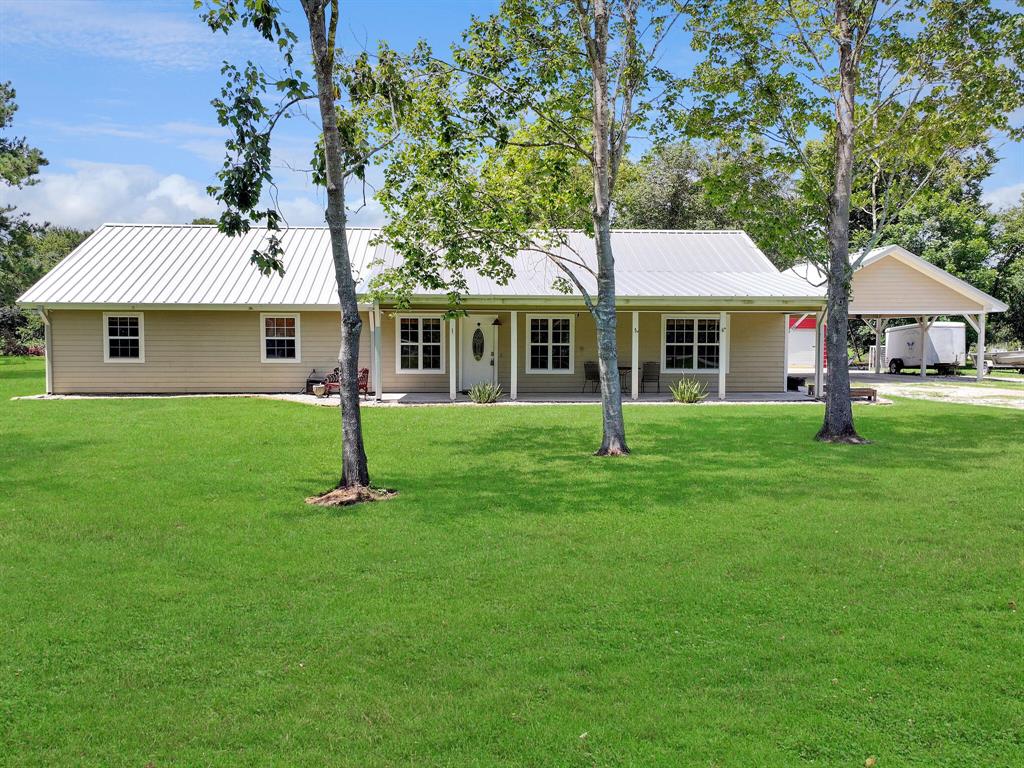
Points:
(688, 390)
(19, 165)
(25, 259)
(1009, 267)
(934, 78)
(485, 393)
(700, 186)
(370, 96)
(502, 153)
(19, 162)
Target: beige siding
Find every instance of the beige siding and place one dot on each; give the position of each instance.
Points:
(219, 351)
(757, 353)
(889, 286)
(192, 351)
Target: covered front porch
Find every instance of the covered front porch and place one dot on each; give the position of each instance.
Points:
(548, 353)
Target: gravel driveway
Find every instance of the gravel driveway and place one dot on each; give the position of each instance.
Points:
(946, 390)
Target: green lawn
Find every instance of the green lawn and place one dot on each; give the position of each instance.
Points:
(733, 594)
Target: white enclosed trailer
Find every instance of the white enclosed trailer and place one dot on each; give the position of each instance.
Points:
(944, 343)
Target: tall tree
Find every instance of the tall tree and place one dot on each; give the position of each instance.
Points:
(538, 95)
(1009, 266)
(19, 165)
(889, 87)
(698, 186)
(360, 101)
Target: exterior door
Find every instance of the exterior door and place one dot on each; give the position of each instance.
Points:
(479, 358)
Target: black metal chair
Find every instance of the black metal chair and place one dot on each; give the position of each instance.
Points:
(591, 375)
(651, 375)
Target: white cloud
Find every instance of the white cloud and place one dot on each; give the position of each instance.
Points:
(128, 32)
(1004, 197)
(92, 193)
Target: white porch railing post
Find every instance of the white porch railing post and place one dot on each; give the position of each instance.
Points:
(451, 359)
(378, 346)
(878, 345)
(922, 328)
(723, 351)
(980, 374)
(635, 372)
(819, 352)
(514, 361)
(785, 353)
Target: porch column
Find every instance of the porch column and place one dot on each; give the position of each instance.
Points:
(981, 347)
(48, 348)
(819, 352)
(879, 327)
(785, 353)
(924, 323)
(635, 371)
(723, 352)
(514, 362)
(451, 359)
(378, 368)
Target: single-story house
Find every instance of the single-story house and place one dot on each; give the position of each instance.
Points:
(168, 308)
(891, 283)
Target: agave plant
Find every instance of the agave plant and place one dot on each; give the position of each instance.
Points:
(688, 390)
(485, 393)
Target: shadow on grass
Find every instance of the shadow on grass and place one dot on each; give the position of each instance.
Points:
(545, 466)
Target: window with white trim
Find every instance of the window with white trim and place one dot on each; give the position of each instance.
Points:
(420, 344)
(280, 338)
(549, 346)
(123, 338)
(690, 344)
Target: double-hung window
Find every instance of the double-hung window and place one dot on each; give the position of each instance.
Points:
(690, 344)
(420, 342)
(123, 340)
(280, 340)
(550, 344)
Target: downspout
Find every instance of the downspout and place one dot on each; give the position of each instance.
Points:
(48, 344)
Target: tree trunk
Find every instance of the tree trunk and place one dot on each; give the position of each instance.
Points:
(838, 425)
(613, 441)
(354, 471)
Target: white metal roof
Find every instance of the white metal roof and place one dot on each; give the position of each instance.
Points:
(191, 265)
(812, 275)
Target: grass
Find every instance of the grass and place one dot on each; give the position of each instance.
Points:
(733, 594)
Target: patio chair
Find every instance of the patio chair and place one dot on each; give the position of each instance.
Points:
(591, 375)
(332, 381)
(651, 375)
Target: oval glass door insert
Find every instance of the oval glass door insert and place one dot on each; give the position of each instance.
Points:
(478, 344)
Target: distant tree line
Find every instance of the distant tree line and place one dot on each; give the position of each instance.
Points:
(27, 250)
(699, 186)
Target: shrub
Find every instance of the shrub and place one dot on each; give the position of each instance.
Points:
(485, 393)
(688, 390)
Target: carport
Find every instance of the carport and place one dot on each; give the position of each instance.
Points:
(892, 283)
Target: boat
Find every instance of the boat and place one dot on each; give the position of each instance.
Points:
(1006, 359)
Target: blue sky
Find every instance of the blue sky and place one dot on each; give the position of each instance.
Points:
(117, 94)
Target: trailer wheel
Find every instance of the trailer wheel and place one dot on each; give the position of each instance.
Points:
(896, 366)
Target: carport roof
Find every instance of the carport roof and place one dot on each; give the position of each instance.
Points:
(811, 274)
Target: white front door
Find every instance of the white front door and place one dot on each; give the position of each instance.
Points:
(479, 341)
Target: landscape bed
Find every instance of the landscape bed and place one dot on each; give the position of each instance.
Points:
(732, 594)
